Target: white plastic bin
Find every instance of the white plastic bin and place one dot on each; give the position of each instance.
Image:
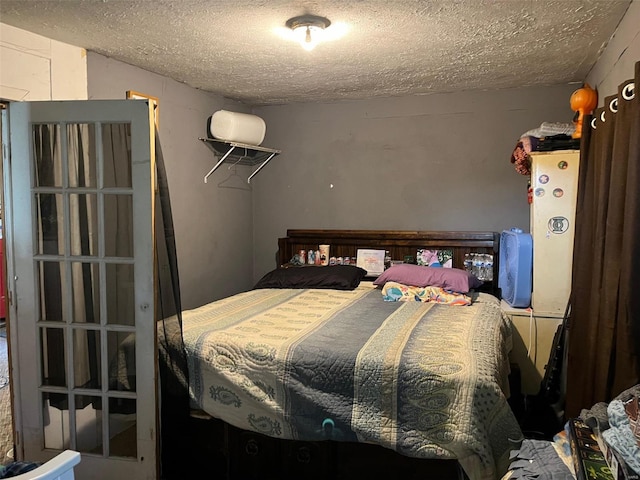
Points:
(237, 127)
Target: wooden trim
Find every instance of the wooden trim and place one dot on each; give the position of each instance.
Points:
(155, 101)
(396, 234)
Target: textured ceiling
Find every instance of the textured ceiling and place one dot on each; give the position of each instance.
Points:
(390, 47)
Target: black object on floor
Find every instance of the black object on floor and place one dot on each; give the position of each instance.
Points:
(541, 420)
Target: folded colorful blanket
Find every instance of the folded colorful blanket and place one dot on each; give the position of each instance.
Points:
(395, 292)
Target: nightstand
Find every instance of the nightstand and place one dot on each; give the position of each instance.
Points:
(532, 343)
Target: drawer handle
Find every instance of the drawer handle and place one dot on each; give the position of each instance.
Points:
(252, 448)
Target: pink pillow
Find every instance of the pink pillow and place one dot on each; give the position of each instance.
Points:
(453, 279)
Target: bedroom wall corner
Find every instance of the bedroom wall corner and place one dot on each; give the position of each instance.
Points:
(617, 61)
(431, 162)
(213, 225)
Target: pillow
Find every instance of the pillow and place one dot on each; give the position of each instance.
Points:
(338, 277)
(453, 279)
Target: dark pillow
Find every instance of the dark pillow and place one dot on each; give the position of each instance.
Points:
(338, 277)
(453, 279)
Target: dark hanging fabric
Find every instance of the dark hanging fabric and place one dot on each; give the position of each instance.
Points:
(174, 395)
(44, 141)
(604, 327)
(87, 284)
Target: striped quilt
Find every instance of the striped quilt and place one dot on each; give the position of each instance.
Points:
(424, 379)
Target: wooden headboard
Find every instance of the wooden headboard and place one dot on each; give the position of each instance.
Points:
(399, 243)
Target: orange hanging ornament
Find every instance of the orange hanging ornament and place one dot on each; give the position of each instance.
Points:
(582, 101)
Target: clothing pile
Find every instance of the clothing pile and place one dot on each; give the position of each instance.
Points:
(540, 460)
(604, 439)
(617, 423)
(549, 136)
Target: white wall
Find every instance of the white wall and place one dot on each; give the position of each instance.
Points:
(213, 224)
(379, 155)
(617, 62)
(38, 68)
(436, 162)
(428, 162)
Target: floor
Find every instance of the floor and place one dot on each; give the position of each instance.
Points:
(6, 430)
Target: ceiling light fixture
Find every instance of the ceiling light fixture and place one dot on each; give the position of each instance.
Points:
(308, 30)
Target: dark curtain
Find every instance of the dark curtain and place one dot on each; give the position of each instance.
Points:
(174, 395)
(44, 140)
(603, 356)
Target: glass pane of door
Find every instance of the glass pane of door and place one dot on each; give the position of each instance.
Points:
(81, 224)
(97, 220)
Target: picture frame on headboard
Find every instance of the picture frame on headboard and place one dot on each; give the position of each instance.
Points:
(435, 258)
(132, 94)
(371, 260)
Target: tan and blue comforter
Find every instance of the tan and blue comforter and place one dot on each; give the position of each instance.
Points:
(424, 379)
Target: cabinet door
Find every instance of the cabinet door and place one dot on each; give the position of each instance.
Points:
(554, 179)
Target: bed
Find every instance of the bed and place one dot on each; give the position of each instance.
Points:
(332, 368)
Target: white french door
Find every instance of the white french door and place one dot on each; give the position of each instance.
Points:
(79, 233)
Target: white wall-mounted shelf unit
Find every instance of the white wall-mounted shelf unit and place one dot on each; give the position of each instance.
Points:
(239, 154)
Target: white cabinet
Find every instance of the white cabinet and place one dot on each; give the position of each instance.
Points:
(533, 336)
(554, 181)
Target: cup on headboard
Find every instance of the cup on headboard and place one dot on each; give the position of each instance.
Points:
(324, 254)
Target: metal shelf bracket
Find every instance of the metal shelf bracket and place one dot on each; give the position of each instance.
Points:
(253, 155)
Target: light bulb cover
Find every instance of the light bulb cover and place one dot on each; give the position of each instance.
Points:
(308, 29)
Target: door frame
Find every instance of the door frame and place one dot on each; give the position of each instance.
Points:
(7, 232)
(107, 111)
